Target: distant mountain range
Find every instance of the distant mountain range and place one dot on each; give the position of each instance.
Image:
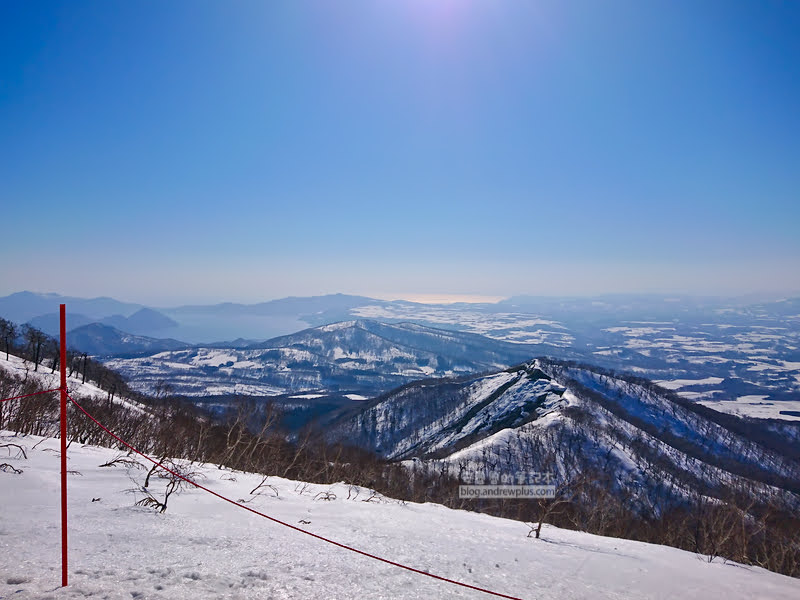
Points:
(144, 321)
(736, 354)
(21, 307)
(200, 324)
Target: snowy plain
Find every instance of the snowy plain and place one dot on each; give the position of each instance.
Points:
(756, 407)
(202, 547)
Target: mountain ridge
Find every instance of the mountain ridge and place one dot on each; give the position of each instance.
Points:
(547, 415)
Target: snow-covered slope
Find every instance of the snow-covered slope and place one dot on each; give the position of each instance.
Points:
(204, 548)
(23, 370)
(17, 376)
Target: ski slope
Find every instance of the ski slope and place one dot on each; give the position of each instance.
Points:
(202, 547)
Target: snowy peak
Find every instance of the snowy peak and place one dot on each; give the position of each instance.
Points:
(339, 326)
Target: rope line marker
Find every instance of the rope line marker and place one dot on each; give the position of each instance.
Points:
(58, 389)
(279, 522)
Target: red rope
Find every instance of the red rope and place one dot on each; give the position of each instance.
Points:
(279, 522)
(29, 395)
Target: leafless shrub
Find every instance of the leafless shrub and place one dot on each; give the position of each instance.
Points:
(373, 497)
(124, 461)
(353, 491)
(264, 484)
(20, 451)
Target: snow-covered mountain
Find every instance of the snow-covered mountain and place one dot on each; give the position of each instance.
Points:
(646, 443)
(362, 356)
(739, 355)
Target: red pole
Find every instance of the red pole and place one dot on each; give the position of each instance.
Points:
(63, 362)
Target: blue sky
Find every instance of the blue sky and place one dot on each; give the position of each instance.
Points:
(202, 151)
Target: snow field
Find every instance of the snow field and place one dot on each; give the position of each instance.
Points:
(205, 548)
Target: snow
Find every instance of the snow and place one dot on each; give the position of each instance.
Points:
(212, 358)
(338, 326)
(676, 384)
(202, 547)
(638, 331)
(355, 397)
(700, 360)
(756, 406)
(751, 398)
(763, 367)
(700, 395)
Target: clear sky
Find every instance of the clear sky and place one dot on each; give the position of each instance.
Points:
(203, 151)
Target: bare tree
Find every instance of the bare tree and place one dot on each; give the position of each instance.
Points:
(162, 389)
(549, 507)
(8, 331)
(34, 339)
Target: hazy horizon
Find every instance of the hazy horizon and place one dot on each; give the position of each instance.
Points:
(431, 299)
